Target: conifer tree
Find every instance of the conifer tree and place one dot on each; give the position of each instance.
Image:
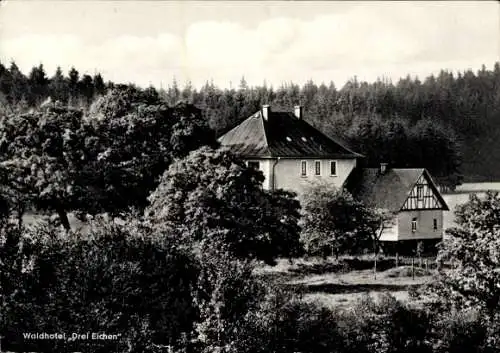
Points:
(58, 87)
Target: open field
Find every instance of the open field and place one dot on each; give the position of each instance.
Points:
(30, 218)
(331, 285)
(461, 196)
(477, 187)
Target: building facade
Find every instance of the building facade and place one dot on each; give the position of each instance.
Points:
(413, 199)
(289, 151)
(292, 154)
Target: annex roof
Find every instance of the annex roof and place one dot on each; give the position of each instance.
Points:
(387, 190)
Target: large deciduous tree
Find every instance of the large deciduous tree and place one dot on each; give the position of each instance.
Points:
(211, 196)
(109, 160)
(334, 222)
(132, 137)
(473, 248)
(41, 155)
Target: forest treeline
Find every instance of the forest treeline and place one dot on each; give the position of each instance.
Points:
(447, 123)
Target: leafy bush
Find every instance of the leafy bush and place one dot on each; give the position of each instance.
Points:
(472, 284)
(282, 323)
(461, 331)
(334, 223)
(474, 249)
(118, 279)
(385, 325)
(331, 220)
(127, 279)
(225, 293)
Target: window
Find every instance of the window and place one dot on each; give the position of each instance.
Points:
(414, 225)
(303, 168)
(420, 192)
(254, 165)
(435, 224)
(317, 167)
(333, 167)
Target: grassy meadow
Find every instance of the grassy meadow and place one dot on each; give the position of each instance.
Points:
(337, 283)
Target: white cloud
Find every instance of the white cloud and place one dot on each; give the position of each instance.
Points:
(31, 49)
(368, 41)
(124, 58)
(220, 45)
(278, 34)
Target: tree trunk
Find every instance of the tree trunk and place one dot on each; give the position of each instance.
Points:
(63, 216)
(20, 213)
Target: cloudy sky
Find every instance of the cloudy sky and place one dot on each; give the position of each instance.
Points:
(153, 42)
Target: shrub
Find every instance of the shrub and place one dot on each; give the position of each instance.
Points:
(117, 280)
(385, 325)
(333, 222)
(460, 331)
(281, 324)
(225, 294)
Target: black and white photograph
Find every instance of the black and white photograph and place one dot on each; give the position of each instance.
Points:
(249, 176)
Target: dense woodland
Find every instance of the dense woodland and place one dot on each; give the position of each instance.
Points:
(447, 123)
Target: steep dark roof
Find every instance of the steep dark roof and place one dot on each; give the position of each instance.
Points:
(388, 190)
(282, 135)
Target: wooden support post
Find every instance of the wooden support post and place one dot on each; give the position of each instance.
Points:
(397, 258)
(413, 268)
(426, 265)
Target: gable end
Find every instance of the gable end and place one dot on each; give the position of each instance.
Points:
(424, 195)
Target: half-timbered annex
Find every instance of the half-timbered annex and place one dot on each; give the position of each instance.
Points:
(410, 195)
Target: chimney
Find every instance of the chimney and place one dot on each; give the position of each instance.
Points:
(266, 110)
(383, 168)
(298, 111)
